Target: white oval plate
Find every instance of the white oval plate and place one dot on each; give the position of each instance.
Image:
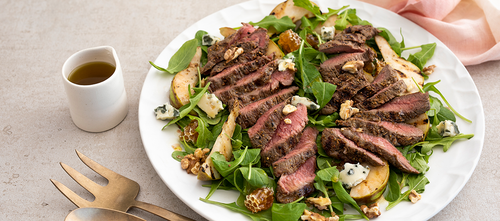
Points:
(448, 173)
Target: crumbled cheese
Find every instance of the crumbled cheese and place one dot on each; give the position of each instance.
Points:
(209, 39)
(210, 104)
(288, 121)
(447, 128)
(296, 100)
(346, 109)
(233, 53)
(414, 196)
(284, 64)
(289, 109)
(166, 112)
(327, 33)
(353, 66)
(353, 174)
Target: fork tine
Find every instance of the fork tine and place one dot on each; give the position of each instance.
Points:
(103, 171)
(72, 196)
(84, 181)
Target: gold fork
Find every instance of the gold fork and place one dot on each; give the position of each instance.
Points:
(119, 194)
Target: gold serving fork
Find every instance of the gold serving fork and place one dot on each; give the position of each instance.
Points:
(118, 194)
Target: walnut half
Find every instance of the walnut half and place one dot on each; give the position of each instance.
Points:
(373, 211)
(414, 196)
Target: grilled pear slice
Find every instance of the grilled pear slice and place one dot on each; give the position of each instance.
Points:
(421, 122)
(373, 186)
(407, 71)
(179, 93)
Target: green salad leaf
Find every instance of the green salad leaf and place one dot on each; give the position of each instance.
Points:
(280, 24)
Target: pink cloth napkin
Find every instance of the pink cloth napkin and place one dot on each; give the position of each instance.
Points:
(470, 28)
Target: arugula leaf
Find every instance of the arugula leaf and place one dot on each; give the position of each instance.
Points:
(431, 87)
(252, 156)
(328, 173)
(193, 101)
(308, 72)
(178, 155)
(420, 58)
(337, 205)
(263, 215)
(323, 121)
(445, 142)
(204, 135)
(353, 18)
(419, 161)
(392, 192)
(323, 91)
(280, 24)
(395, 45)
(256, 177)
(181, 59)
(341, 22)
(344, 196)
(224, 167)
(214, 186)
(416, 182)
(288, 211)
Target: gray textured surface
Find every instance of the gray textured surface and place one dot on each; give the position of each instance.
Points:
(37, 133)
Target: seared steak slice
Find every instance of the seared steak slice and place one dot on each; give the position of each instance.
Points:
(348, 86)
(383, 96)
(294, 159)
(399, 134)
(264, 128)
(253, 45)
(338, 146)
(301, 183)
(330, 69)
(399, 109)
(250, 114)
(285, 77)
(215, 53)
(286, 136)
(230, 75)
(385, 77)
(381, 147)
(248, 83)
(351, 39)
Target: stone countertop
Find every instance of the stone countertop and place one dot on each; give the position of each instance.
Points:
(36, 131)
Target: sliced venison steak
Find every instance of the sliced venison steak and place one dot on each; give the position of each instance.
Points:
(246, 84)
(385, 77)
(299, 184)
(231, 75)
(399, 134)
(338, 146)
(381, 147)
(305, 149)
(263, 130)
(351, 39)
(286, 136)
(251, 113)
(399, 109)
(330, 69)
(216, 52)
(383, 96)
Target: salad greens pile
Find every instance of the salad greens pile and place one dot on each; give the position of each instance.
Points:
(244, 173)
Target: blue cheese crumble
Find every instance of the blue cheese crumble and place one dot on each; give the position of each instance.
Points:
(353, 174)
(210, 104)
(327, 33)
(296, 100)
(447, 128)
(209, 40)
(166, 112)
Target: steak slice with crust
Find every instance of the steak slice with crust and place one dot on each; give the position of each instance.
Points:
(305, 149)
(383, 96)
(246, 84)
(231, 75)
(215, 53)
(264, 128)
(250, 113)
(299, 184)
(398, 134)
(399, 109)
(349, 85)
(330, 69)
(286, 136)
(338, 146)
(385, 77)
(351, 39)
(381, 147)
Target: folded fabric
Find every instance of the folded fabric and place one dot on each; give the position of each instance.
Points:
(468, 27)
